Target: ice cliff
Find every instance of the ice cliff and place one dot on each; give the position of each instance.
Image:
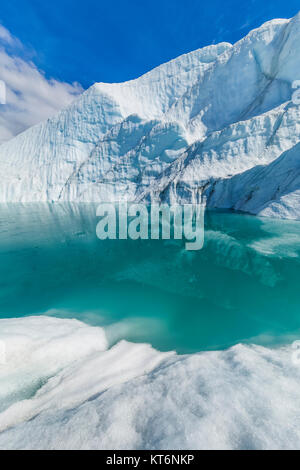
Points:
(218, 121)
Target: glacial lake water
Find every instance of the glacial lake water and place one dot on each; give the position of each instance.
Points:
(243, 286)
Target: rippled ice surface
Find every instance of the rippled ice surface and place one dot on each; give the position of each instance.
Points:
(68, 302)
(243, 286)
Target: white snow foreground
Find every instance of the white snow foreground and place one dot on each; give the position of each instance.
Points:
(63, 388)
(195, 125)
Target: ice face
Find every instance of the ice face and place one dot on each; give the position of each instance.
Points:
(196, 121)
(267, 190)
(131, 397)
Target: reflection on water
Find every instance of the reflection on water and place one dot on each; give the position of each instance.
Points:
(243, 285)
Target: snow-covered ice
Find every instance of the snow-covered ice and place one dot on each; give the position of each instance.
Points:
(197, 123)
(63, 388)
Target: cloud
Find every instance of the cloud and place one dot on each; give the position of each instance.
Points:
(6, 37)
(30, 96)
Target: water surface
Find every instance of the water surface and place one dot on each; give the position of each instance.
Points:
(243, 286)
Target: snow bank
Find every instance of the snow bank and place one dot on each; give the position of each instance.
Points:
(62, 388)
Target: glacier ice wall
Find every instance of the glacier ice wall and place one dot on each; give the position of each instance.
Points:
(196, 124)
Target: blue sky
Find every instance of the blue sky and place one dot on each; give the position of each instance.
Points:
(100, 40)
(50, 51)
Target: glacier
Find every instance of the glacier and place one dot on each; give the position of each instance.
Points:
(219, 121)
(78, 393)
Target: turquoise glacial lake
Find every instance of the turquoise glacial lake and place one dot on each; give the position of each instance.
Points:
(243, 286)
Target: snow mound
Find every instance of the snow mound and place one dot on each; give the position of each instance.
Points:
(133, 397)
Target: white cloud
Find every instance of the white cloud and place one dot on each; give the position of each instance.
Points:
(6, 37)
(31, 97)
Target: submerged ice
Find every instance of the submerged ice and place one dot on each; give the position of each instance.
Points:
(240, 285)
